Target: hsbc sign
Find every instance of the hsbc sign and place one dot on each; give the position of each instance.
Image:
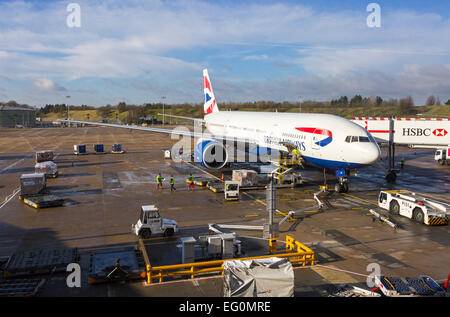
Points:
(423, 132)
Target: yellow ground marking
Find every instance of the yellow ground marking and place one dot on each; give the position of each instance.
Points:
(367, 201)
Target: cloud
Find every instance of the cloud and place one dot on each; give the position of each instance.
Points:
(47, 85)
(317, 53)
(256, 57)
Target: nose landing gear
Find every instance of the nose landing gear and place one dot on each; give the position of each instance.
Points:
(342, 184)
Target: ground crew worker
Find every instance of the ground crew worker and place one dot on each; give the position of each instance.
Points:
(402, 163)
(191, 182)
(159, 180)
(172, 183)
(295, 154)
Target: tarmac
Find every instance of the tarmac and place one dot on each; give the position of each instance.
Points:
(104, 193)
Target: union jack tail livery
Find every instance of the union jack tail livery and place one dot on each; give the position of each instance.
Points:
(210, 104)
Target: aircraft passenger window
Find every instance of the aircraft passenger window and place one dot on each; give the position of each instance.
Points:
(354, 139)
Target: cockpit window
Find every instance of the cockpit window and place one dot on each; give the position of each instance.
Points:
(363, 139)
(354, 139)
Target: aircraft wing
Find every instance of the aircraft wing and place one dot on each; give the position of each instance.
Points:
(182, 117)
(203, 135)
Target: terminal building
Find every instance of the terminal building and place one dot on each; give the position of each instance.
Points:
(11, 117)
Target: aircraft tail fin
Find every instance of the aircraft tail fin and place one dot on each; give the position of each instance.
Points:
(210, 104)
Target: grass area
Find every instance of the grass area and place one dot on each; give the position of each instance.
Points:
(197, 112)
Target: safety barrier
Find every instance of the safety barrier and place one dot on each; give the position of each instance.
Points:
(297, 253)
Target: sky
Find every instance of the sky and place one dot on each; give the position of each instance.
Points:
(141, 51)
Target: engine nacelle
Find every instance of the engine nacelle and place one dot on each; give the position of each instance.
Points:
(210, 153)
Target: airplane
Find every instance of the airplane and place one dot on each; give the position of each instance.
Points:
(323, 140)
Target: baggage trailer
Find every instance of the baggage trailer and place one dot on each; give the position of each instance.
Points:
(413, 206)
(44, 156)
(79, 149)
(33, 192)
(397, 287)
(48, 168)
(98, 148)
(117, 148)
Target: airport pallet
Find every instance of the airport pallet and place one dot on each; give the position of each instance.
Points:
(42, 201)
(422, 286)
(40, 262)
(20, 287)
(103, 267)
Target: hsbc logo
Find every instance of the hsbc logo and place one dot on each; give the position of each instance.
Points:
(440, 132)
(423, 132)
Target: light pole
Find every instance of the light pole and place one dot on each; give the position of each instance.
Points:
(162, 100)
(300, 104)
(68, 97)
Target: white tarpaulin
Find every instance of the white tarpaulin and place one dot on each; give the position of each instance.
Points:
(271, 277)
(245, 177)
(48, 168)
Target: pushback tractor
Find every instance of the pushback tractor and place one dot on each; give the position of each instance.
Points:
(411, 205)
(150, 222)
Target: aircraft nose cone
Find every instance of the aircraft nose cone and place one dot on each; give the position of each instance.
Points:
(373, 155)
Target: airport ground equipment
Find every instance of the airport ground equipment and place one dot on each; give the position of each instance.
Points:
(150, 222)
(296, 252)
(286, 164)
(272, 277)
(21, 287)
(98, 149)
(117, 149)
(40, 262)
(34, 192)
(395, 287)
(79, 149)
(44, 156)
(383, 218)
(49, 168)
(245, 177)
(411, 205)
(231, 190)
(113, 266)
(167, 154)
(442, 156)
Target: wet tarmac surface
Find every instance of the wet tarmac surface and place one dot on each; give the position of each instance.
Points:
(104, 194)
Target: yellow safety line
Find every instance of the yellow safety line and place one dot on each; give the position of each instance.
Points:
(358, 208)
(370, 202)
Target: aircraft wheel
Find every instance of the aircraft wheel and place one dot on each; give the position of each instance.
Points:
(345, 187)
(338, 188)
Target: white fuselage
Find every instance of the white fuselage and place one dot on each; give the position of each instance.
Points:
(322, 139)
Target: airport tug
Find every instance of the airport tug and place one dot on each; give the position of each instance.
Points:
(150, 222)
(421, 209)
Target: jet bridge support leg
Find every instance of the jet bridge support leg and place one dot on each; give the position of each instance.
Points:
(392, 172)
